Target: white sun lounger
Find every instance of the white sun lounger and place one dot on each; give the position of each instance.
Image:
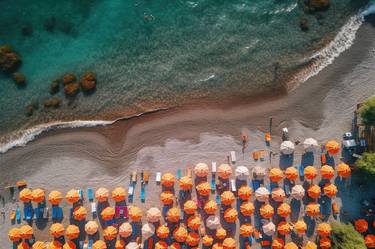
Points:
(158, 177)
(93, 207)
(213, 167)
(131, 190)
(233, 185)
(233, 157)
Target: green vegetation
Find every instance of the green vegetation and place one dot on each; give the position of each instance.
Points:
(367, 112)
(344, 236)
(366, 164)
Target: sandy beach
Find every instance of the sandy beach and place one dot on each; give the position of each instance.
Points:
(167, 140)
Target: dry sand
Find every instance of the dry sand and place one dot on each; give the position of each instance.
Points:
(104, 156)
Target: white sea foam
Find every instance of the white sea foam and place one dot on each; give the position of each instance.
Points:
(21, 138)
(342, 41)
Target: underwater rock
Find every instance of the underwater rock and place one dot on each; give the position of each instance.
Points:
(54, 87)
(29, 110)
(69, 78)
(19, 79)
(311, 6)
(27, 30)
(9, 59)
(88, 82)
(304, 24)
(71, 89)
(50, 24)
(53, 102)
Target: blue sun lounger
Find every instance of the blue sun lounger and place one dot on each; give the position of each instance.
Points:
(179, 174)
(39, 212)
(268, 187)
(81, 244)
(80, 194)
(301, 170)
(89, 245)
(256, 184)
(90, 194)
(217, 199)
(57, 213)
(213, 184)
(28, 213)
(143, 194)
(287, 189)
(18, 215)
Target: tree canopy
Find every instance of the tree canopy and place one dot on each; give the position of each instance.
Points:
(366, 164)
(344, 236)
(367, 112)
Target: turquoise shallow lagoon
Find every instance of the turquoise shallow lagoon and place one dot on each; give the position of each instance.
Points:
(152, 54)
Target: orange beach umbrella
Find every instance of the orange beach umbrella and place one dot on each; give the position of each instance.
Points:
(330, 190)
(361, 225)
(21, 183)
(343, 170)
(79, 213)
(91, 227)
(25, 195)
(125, 230)
(224, 171)
(135, 213)
(221, 233)
(56, 230)
(175, 245)
(110, 233)
(102, 194)
(324, 229)
(38, 195)
(167, 197)
(180, 234)
(246, 230)
(99, 244)
(229, 243)
(160, 245)
(185, 183)
(230, 215)
(190, 207)
(55, 197)
(370, 241)
(284, 210)
(55, 244)
(290, 245)
(210, 207)
(120, 244)
(313, 209)
(247, 208)
(72, 196)
(332, 147)
(162, 232)
(14, 234)
(310, 245)
(173, 215)
(69, 245)
(72, 232)
(23, 245)
(207, 240)
(313, 191)
(277, 243)
(203, 188)
(217, 246)
(119, 194)
(108, 213)
(327, 172)
(26, 232)
(227, 198)
(291, 173)
(310, 172)
(244, 192)
(167, 180)
(325, 243)
(266, 211)
(276, 175)
(201, 170)
(283, 228)
(192, 239)
(39, 245)
(300, 227)
(194, 222)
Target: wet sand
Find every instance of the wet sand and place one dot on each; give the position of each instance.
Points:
(164, 141)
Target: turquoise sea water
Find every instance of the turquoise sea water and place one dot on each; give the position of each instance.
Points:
(152, 53)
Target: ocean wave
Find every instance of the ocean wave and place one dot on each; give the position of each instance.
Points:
(22, 137)
(324, 57)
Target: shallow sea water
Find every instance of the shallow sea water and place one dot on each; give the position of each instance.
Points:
(152, 54)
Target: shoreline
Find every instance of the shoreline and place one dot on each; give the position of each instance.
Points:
(314, 64)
